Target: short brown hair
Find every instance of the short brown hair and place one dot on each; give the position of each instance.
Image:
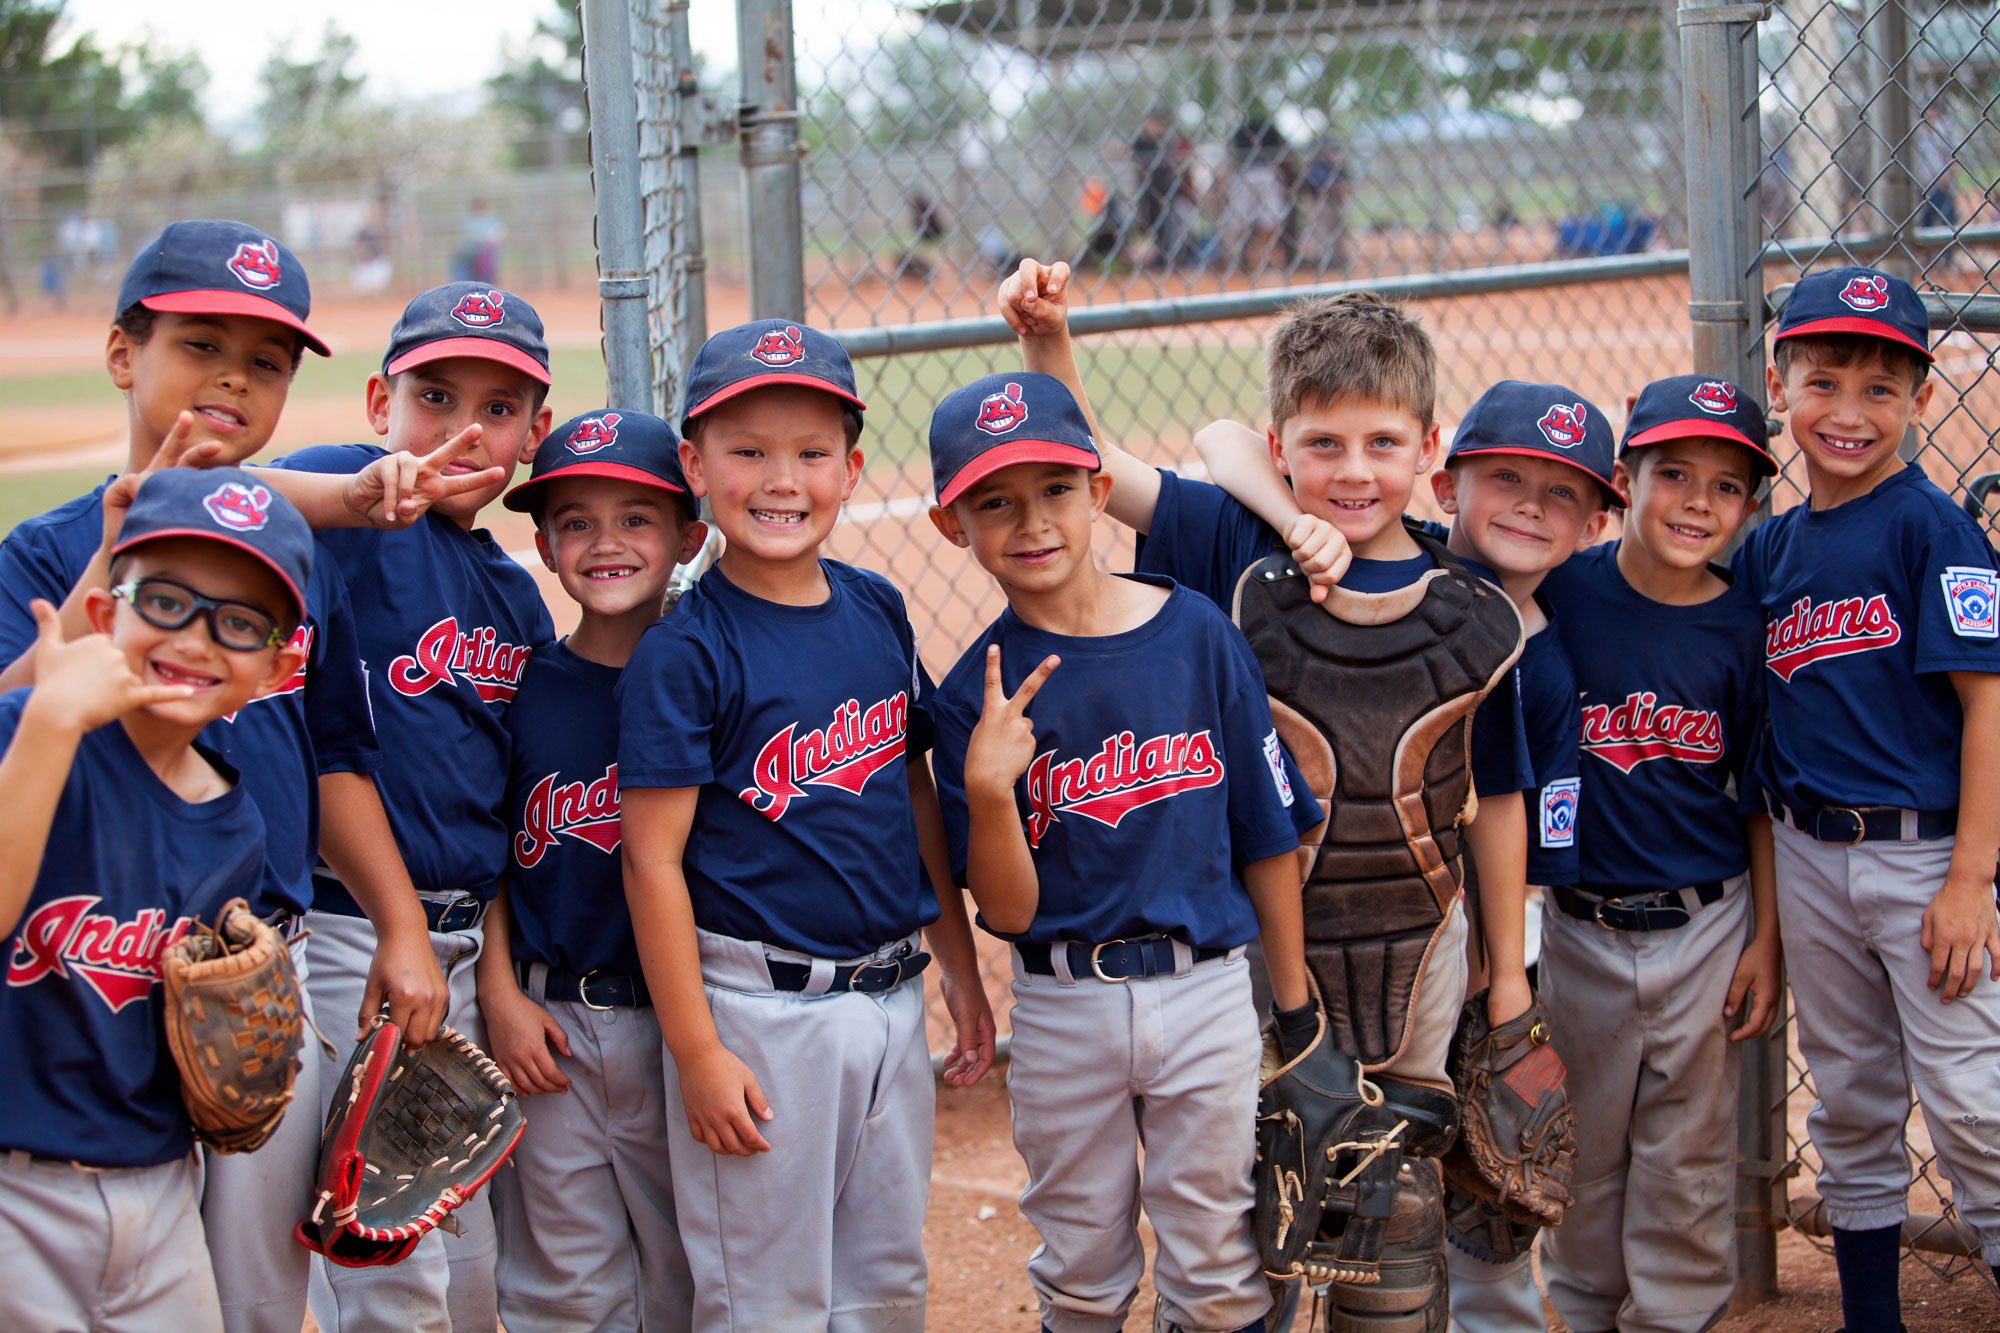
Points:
(1355, 345)
(1841, 350)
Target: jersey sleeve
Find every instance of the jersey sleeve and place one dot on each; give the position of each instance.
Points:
(1202, 538)
(1267, 797)
(339, 717)
(339, 459)
(1498, 756)
(668, 698)
(1958, 601)
(921, 729)
(27, 571)
(952, 729)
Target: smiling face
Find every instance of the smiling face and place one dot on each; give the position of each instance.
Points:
(1687, 498)
(1847, 420)
(776, 466)
(224, 679)
(1520, 514)
(1355, 463)
(233, 372)
(419, 409)
(613, 543)
(1028, 525)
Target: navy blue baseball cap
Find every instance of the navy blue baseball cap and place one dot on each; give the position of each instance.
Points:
(763, 352)
(1857, 300)
(1696, 405)
(1540, 421)
(227, 505)
(468, 319)
(215, 267)
(626, 446)
(1001, 420)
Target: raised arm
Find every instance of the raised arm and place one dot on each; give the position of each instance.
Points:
(1239, 461)
(393, 491)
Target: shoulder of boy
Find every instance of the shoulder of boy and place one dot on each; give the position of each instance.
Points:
(330, 458)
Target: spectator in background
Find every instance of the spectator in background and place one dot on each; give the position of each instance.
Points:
(1257, 202)
(1160, 156)
(1937, 171)
(478, 258)
(1324, 190)
(927, 228)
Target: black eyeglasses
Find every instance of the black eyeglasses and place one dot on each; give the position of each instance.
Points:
(237, 626)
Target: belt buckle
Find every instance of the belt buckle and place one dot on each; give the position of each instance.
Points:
(1097, 969)
(583, 993)
(893, 965)
(1597, 911)
(1860, 824)
(459, 914)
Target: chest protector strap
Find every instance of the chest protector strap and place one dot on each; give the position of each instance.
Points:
(1373, 695)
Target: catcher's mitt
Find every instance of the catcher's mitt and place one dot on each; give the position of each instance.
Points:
(235, 1024)
(410, 1136)
(1516, 1146)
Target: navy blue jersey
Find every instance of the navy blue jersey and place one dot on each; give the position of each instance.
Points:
(317, 722)
(1551, 716)
(446, 622)
(563, 877)
(796, 723)
(1866, 606)
(1157, 774)
(1377, 576)
(1673, 710)
(1498, 755)
(129, 866)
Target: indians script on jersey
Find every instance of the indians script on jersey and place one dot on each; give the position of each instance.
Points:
(586, 810)
(845, 753)
(120, 960)
(1123, 775)
(1626, 735)
(491, 667)
(1828, 629)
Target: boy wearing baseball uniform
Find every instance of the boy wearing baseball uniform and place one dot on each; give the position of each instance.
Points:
(1651, 956)
(122, 829)
(1129, 840)
(210, 326)
(586, 1216)
(1351, 382)
(446, 622)
(1883, 658)
(785, 867)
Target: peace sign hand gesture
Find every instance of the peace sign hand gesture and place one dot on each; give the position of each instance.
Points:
(1003, 744)
(397, 489)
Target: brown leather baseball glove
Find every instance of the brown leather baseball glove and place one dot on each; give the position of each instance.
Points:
(1516, 1146)
(235, 1024)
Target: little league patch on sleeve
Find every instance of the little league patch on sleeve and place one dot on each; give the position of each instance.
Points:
(1972, 596)
(1559, 801)
(1274, 755)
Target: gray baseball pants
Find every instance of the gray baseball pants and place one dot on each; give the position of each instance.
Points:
(586, 1214)
(446, 1283)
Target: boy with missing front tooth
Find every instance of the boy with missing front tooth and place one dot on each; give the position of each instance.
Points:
(210, 326)
(586, 1216)
(121, 829)
(779, 825)
(1882, 772)
(1129, 840)
(1352, 386)
(446, 622)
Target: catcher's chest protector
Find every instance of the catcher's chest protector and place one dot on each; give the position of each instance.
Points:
(1373, 695)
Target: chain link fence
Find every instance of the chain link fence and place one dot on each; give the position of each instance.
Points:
(1520, 172)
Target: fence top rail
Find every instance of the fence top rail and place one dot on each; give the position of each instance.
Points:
(950, 334)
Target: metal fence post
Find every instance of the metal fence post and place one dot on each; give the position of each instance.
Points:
(611, 93)
(1892, 186)
(769, 153)
(1726, 310)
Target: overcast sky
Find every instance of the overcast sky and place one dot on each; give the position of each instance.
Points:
(408, 49)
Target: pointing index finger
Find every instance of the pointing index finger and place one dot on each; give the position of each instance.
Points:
(454, 447)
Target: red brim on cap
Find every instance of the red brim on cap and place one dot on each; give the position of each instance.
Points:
(728, 391)
(1873, 328)
(1705, 428)
(484, 349)
(520, 498)
(1611, 495)
(211, 302)
(1011, 453)
(209, 534)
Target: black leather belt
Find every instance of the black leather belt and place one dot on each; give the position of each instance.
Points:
(1113, 960)
(1665, 910)
(592, 990)
(1855, 825)
(285, 921)
(455, 914)
(862, 978)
